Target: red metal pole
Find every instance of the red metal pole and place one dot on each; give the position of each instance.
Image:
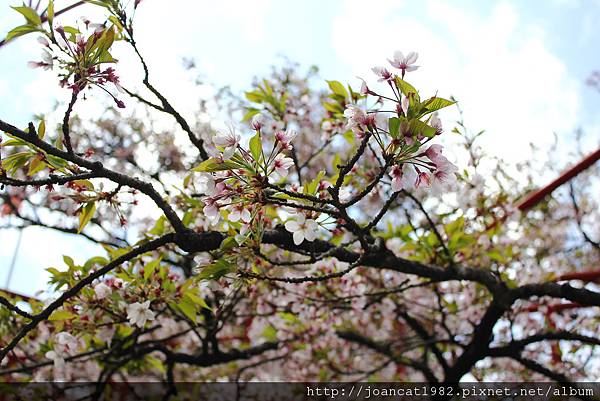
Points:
(535, 197)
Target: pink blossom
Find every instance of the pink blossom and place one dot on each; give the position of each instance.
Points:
(434, 151)
(403, 177)
(383, 74)
(444, 172)
(344, 195)
(436, 123)
(43, 41)
(238, 212)
(47, 62)
(257, 122)
(405, 104)
(358, 120)
(211, 210)
(285, 138)
(396, 174)
(281, 165)
(423, 179)
(364, 88)
(228, 141)
(404, 63)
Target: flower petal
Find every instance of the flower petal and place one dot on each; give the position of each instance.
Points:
(298, 237)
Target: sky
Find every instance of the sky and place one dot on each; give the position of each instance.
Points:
(517, 68)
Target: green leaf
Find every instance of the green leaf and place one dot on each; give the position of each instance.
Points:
(311, 188)
(394, 125)
(103, 45)
(188, 309)
(337, 88)
(228, 244)
(41, 131)
(35, 165)
(96, 260)
(212, 165)
(150, 268)
(14, 142)
(116, 22)
(270, 333)
(216, 270)
(71, 30)
(50, 11)
(20, 31)
(159, 227)
(62, 315)
(187, 217)
(333, 107)
(418, 127)
(255, 147)
(289, 317)
(86, 214)
(250, 113)
(85, 183)
(407, 89)
(15, 161)
(68, 261)
(197, 300)
(436, 103)
(255, 96)
(30, 15)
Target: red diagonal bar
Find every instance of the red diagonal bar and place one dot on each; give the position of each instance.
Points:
(588, 276)
(535, 197)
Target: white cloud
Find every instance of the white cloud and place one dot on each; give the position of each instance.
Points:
(506, 79)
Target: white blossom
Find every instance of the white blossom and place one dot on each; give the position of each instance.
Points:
(102, 291)
(139, 313)
(302, 229)
(206, 183)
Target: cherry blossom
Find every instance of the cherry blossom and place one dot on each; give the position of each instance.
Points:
(344, 195)
(284, 138)
(211, 210)
(257, 122)
(47, 62)
(436, 123)
(423, 179)
(404, 177)
(358, 120)
(228, 141)
(281, 165)
(205, 183)
(389, 208)
(65, 345)
(139, 313)
(404, 63)
(404, 105)
(302, 228)
(396, 174)
(383, 74)
(239, 212)
(102, 291)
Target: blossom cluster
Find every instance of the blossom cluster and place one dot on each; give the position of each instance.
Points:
(80, 53)
(240, 181)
